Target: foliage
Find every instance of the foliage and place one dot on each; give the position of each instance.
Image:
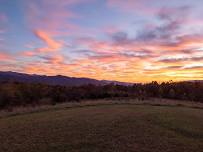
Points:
(22, 94)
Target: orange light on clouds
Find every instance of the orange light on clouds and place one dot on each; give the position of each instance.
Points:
(130, 41)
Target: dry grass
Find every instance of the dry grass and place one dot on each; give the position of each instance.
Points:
(104, 126)
(130, 101)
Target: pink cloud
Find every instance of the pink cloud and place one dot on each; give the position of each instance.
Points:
(52, 45)
(5, 57)
(28, 53)
(106, 58)
(52, 16)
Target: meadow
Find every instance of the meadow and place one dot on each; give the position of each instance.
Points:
(105, 126)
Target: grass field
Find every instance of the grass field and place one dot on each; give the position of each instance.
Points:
(105, 128)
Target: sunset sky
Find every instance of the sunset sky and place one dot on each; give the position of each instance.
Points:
(123, 40)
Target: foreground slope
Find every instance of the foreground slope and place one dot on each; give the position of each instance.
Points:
(109, 128)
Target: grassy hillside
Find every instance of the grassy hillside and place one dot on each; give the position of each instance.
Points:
(105, 128)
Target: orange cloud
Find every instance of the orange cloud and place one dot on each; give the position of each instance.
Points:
(123, 58)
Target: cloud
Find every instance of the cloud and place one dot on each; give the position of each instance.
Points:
(139, 6)
(120, 37)
(169, 60)
(162, 38)
(181, 59)
(52, 16)
(52, 45)
(53, 59)
(5, 57)
(28, 53)
(171, 21)
(196, 67)
(165, 36)
(136, 54)
(125, 53)
(174, 67)
(118, 57)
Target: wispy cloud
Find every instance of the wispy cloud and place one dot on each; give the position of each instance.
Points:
(52, 45)
(5, 57)
(139, 6)
(182, 59)
(139, 40)
(52, 16)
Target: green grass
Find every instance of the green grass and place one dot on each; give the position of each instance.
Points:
(105, 128)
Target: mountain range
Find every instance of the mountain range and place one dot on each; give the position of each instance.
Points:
(52, 80)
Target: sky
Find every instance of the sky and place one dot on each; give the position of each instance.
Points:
(123, 40)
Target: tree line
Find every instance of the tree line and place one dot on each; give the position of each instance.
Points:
(21, 94)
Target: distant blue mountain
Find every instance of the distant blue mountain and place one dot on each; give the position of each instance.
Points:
(53, 80)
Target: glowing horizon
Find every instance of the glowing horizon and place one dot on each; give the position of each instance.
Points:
(129, 41)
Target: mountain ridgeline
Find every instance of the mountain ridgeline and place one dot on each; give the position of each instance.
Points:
(53, 80)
